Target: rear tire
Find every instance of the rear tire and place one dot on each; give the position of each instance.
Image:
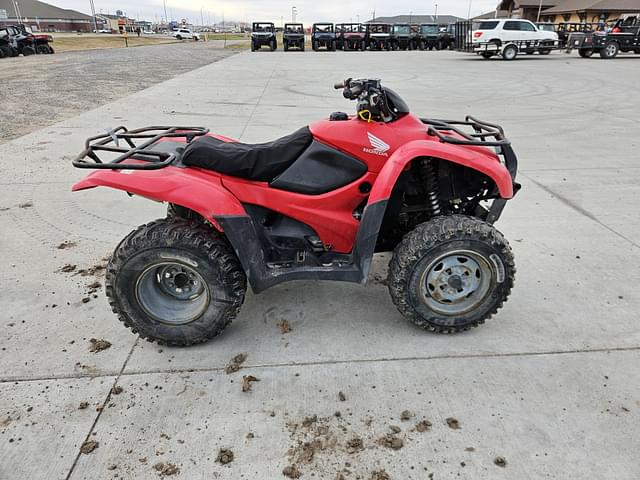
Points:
(544, 51)
(610, 50)
(487, 55)
(178, 37)
(585, 52)
(26, 51)
(451, 273)
(176, 282)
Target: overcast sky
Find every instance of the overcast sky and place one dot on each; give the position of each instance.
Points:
(309, 11)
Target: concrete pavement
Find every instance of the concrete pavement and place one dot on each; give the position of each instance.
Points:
(551, 384)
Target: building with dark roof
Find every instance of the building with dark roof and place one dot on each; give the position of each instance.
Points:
(528, 9)
(417, 19)
(43, 16)
(592, 11)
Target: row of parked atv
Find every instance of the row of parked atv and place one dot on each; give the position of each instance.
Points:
(350, 36)
(19, 40)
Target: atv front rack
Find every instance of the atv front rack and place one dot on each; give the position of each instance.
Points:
(133, 148)
(484, 134)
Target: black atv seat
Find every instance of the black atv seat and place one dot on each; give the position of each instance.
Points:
(261, 161)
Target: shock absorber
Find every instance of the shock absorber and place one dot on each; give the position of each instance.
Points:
(430, 178)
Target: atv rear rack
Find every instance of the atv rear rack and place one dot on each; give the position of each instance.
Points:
(153, 159)
(483, 132)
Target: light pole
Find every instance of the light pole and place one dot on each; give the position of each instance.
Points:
(358, 17)
(539, 10)
(469, 12)
(436, 13)
(410, 16)
(294, 11)
(166, 19)
(93, 13)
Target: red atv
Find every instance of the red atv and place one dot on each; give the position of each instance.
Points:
(316, 204)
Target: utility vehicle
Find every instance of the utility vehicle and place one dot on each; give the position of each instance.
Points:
(323, 35)
(428, 36)
(379, 36)
(623, 36)
(6, 49)
(293, 36)
(350, 36)
(314, 205)
(23, 41)
(403, 37)
(263, 33)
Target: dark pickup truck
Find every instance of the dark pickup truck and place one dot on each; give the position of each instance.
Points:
(624, 36)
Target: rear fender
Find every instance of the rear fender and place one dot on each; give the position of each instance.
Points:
(191, 188)
(477, 158)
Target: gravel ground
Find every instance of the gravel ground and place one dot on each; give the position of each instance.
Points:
(44, 89)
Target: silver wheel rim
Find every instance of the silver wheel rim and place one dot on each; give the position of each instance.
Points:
(510, 53)
(172, 293)
(611, 50)
(456, 282)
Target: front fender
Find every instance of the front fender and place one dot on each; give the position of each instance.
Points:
(192, 188)
(477, 158)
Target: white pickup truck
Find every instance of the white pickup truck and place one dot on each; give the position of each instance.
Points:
(508, 37)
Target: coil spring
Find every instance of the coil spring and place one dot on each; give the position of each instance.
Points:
(430, 177)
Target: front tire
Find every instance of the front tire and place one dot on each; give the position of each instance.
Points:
(451, 273)
(176, 282)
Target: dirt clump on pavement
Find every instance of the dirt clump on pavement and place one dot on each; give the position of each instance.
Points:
(423, 426)
(406, 415)
(67, 268)
(284, 326)
(247, 380)
(95, 270)
(166, 469)
(225, 456)
(453, 423)
(83, 405)
(500, 461)
(89, 446)
(116, 390)
(380, 475)
(96, 345)
(236, 363)
(391, 441)
(66, 244)
(291, 471)
(25, 205)
(354, 445)
(342, 397)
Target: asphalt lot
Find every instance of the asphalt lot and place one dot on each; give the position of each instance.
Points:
(44, 89)
(552, 384)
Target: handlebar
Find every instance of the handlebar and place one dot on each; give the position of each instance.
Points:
(371, 97)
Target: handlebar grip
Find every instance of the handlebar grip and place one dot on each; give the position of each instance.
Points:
(338, 86)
